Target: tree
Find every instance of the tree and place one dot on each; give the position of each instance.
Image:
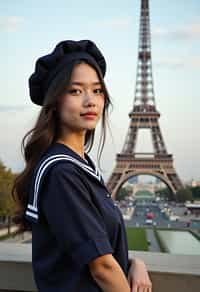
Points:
(6, 200)
(184, 194)
(121, 194)
(196, 192)
(165, 193)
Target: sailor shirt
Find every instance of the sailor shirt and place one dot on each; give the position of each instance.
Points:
(73, 220)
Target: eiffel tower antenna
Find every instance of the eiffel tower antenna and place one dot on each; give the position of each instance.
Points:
(144, 115)
(144, 65)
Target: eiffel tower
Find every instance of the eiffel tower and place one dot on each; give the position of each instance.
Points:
(144, 115)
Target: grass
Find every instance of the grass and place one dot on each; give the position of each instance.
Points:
(137, 239)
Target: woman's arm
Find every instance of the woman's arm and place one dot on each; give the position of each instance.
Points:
(106, 271)
(138, 277)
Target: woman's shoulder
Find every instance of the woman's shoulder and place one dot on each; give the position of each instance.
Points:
(56, 170)
(61, 161)
(64, 168)
(56, 162)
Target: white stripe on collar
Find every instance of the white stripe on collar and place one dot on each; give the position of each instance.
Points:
(49, 161)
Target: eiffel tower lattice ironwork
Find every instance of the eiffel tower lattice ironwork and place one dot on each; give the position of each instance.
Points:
(144, 115)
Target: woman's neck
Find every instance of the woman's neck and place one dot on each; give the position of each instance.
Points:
(76, 143)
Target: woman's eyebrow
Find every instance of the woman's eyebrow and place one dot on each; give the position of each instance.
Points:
(82, 83)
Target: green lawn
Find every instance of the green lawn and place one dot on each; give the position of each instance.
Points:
(137, 239)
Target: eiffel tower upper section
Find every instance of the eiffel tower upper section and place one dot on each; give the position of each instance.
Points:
(144, 90)
(144, 113)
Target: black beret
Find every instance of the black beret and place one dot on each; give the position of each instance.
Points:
(48, 66)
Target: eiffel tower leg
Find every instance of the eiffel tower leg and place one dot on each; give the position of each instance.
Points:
(158, 141)
(131, 138)
(112, 181)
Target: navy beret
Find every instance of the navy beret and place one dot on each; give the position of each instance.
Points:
(47, 67)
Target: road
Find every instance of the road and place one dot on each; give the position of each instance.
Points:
(139, 217)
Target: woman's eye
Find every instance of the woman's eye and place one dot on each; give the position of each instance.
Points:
(99, 90)
(73, 91)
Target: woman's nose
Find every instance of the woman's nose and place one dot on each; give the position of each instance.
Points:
(89, 98)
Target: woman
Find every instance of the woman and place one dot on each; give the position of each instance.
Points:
(78, 235)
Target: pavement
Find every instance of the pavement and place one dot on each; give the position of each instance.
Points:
(4, 231)
(153, 246)
(20, 238)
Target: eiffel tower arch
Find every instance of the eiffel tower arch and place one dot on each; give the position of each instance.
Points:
(144, 115)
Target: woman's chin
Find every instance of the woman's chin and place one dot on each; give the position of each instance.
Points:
(90, 125)
(90, 128)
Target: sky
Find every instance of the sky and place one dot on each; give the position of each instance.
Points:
(30, 29)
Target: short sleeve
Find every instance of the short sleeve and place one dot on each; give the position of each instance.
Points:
(72, 215)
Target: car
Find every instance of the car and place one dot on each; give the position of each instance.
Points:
(149, 215)
(174, 218)
(149, 221)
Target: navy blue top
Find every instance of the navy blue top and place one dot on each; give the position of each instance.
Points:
(73, 221)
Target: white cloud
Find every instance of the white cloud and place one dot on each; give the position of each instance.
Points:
(179, 62)
(190, 31)
(11, 23)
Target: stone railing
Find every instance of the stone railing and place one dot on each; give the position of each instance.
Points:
(168, 273)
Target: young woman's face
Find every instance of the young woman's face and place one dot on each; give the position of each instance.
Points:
(84, 95)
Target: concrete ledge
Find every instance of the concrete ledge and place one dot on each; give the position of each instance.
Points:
(169, 263)
(16, 267)
(168, 272)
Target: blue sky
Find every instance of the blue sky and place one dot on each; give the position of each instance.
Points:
(30, 29)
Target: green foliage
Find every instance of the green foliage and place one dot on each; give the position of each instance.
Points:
(188, 193)
(184, 194)
(165, 193)
(121, 194)
(6, 183)
(195, 192)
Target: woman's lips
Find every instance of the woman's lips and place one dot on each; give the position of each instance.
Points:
(89, 116)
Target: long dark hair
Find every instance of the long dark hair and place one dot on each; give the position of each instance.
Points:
(45, 132)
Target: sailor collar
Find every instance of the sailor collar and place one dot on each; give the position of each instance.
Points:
(58, 152)
(61, 151)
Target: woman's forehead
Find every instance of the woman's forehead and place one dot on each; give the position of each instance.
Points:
(84, 70)
(80, 83)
